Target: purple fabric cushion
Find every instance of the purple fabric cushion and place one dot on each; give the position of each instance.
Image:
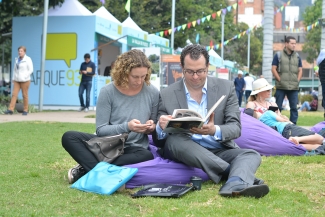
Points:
(266, 141)
(317, 127)
(161, 170)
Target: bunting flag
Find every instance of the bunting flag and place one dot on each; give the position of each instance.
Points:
(102, 1)
(197, 39)
(211, 44)
(128, 6)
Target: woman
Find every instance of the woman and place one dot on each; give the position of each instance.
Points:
(22, 70)
(129, 104)
(321, 73)
(258, 99)
(298, 135)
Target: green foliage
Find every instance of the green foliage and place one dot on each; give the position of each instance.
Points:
(305, 97)
(313, 37)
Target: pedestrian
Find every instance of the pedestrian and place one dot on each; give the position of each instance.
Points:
(287, 71)
(248, 85)
(21, 78)
(239, 86)
(87, 70)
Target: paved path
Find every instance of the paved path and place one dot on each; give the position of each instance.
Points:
(55, 116)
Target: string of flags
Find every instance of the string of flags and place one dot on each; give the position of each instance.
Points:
(223, 11)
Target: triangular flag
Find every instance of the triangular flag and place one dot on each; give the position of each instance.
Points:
(245, 1)
(239, 35)
(179, 28)
(166, 32)
(288, 3)
(217, 46)
(189, 25)
(161, 33)
(208, 17)
(197, 38)
(157, 33)
(211, 43)
(214, 15)
(174, 29)
(203, 19)
(234, 6)
(169, 31)
(193, 23)
(218, 13)
(229, 8)
(128, 6)
(183, 26)
(281, 8)
(316, 23)
(224, 11)
(198, 21)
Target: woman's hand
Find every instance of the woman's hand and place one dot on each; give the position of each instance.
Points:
(136, 126)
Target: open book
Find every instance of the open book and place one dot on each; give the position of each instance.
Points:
(184, 119)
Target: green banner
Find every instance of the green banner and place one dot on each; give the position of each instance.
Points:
(136, 42)
(164, 50)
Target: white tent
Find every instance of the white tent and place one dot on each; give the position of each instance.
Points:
(69, 8)
(212, 53)
(131, 24)
(102, 12)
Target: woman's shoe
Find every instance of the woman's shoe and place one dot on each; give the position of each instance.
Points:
(8, 112)
(25, 113)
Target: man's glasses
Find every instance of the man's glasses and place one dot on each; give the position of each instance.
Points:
(198, 72)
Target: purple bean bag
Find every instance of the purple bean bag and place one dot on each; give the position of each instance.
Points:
(317, 127)
(266, 141)
(161, 170)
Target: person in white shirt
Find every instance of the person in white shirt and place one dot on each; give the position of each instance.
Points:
(249, 85)
(23, 68)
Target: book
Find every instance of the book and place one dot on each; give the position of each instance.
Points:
(184, 119)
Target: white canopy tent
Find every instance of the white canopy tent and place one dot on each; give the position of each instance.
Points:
(69, 8)
(102, 12)
(131, 24)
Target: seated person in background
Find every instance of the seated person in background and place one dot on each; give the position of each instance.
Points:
(285, 104)
(312, 106)
(258, 99)
(298, 135)
(109, 69)
(116, 114)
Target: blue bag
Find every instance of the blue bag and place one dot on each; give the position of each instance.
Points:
(104, 178)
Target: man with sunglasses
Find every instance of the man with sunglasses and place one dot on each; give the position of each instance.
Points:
(211, 147)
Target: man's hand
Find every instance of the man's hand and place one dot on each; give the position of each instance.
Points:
(163, 120)
(206, 129)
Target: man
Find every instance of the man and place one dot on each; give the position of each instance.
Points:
(248, 85)
(108, 69)
(240, 86)
(287, 71)
(211, 147)
(87, 70)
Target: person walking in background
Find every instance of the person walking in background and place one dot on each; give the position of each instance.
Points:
(23, 68)
(248, 85)
(310, 106)
(87, 70)
(321, 73)
(239, 86)
(287, 71)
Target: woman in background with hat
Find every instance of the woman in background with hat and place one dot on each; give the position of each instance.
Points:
(258, 99)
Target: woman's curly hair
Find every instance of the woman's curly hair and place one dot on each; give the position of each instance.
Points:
(125, 63)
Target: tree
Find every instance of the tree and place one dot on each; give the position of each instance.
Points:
(268, 39)
(18, 8)
(313, 37)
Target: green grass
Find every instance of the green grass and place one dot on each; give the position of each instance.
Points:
(33, 182)
(307, 118)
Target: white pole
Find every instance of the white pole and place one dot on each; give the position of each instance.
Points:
(322, 44)
(173, 26)
(222, 33)
(41, 86)
(248, 50)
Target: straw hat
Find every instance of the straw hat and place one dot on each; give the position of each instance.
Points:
(260, 85)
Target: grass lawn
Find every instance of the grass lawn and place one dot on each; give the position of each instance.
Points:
(33, 182)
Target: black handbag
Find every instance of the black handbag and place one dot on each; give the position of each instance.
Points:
(107, 148)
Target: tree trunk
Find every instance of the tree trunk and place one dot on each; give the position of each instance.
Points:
(268, 40)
